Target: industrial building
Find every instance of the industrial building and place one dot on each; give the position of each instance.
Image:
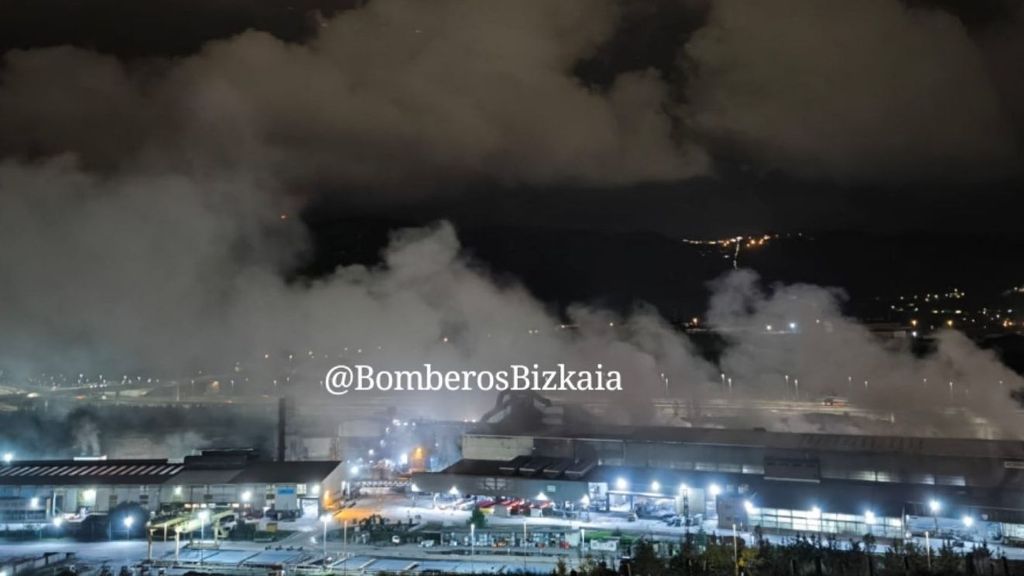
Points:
(827, 483)
(34, 493)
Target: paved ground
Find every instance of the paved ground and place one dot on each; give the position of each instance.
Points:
(307, 546)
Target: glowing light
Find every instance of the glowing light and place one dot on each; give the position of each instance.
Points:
(585, 500)
(621, 484)
(454, 491)
(34, 502)
(8, 456)
(748, 506)
(414, 487)
(792, 325)
(57, 521)
(934, 506)
(542, 497)
(246, 496)
(128, 521)
(815, 511)
(683, 488)
(655, 486)
(315, 489)
(354, 470)
(326, 518)
(715, 489)
(869, 517)
(968, 521)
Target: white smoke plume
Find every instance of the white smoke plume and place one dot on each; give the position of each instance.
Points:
(141, 203)
(396, 93)
(865, 92)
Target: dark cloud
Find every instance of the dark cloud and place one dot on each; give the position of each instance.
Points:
(866, 92)
(394, 94)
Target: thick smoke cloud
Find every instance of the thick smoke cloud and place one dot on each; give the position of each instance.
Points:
(412, 97)
(127, 282)
(793, 342)
(398, 92)
(141, 205)
(859, 92)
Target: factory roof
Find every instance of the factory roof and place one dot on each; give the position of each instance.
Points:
(193, 471)
(26, 472)
(758, 438)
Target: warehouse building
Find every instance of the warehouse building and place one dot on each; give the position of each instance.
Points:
(33, 493)
(833, 484)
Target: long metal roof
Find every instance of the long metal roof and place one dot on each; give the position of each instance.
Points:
(76, 472)
(141, 472)
(941, 447)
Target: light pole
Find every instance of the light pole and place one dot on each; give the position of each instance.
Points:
(128, 521)
(817, 514)
(472, 547)
(203, 515)
(928, 549)
(735, 551)
(524, 546)
(326, 518)
(934, 506)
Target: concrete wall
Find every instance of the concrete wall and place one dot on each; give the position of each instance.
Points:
(496, 447)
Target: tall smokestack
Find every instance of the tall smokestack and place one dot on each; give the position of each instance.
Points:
(281, 427)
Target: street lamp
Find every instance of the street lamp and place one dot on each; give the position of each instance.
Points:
(968, 521)
(655, 486)
(621, 484)
(128, 521)
(935, 506)
(344, 542)
(735, 552)
(326, 519)
(203, 516)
